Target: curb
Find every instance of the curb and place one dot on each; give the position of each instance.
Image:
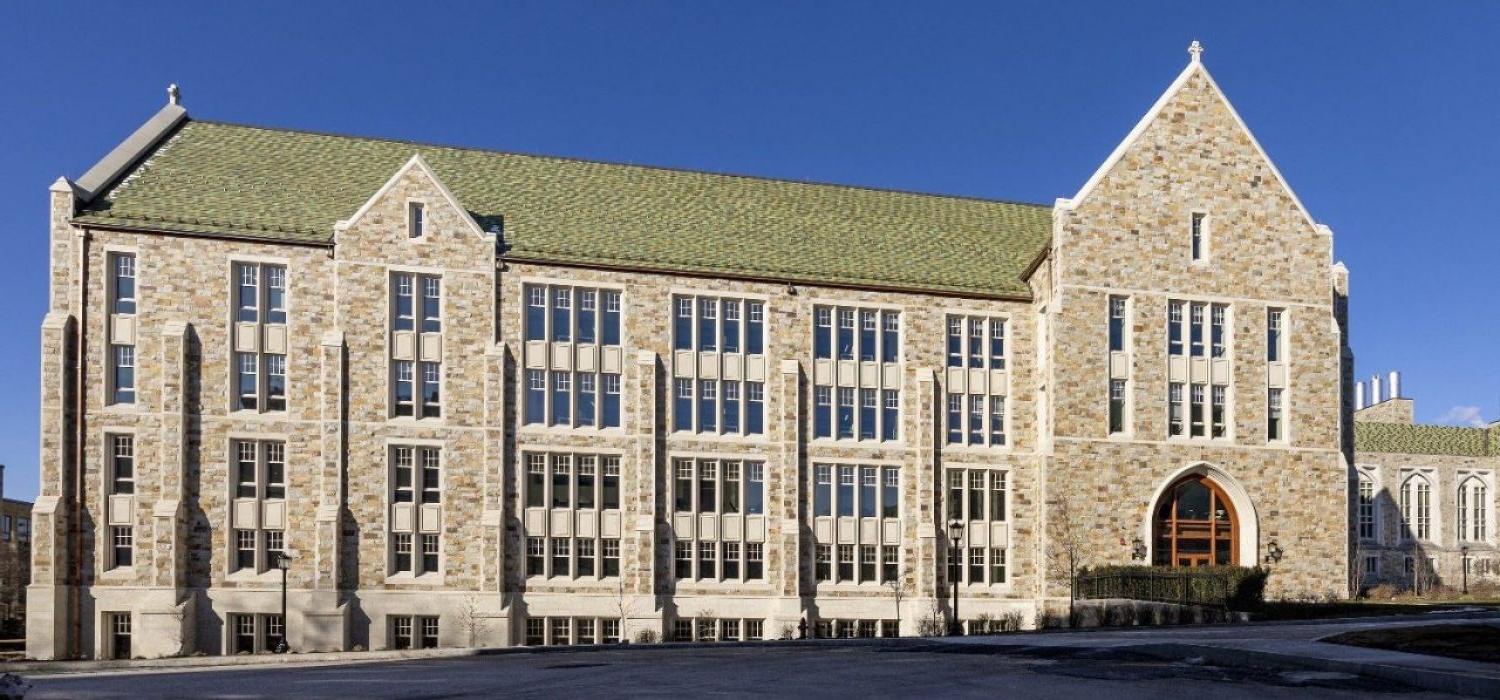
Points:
(1426, 679)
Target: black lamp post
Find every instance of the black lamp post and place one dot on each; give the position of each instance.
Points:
(283, 562)
(955, 535)
(1464, 561)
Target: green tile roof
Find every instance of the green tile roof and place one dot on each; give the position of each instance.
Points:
(1402, 438)
(221, 179)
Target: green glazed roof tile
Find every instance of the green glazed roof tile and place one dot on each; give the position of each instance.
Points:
(212, 178)
(1402, 438)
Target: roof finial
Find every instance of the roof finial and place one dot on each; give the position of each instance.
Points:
(1195, 50)
(174, 96)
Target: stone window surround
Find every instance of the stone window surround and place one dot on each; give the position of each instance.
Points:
(265, 571)
(943, 494)
(1372, 474)
(835, 304)
(1205, 237)
(116, 323)
(104, 544)
(231, 369)
(990, 316)
(830, 523)
(418, 273)
(417, 233)
(767, 337)
(1486, 480)
(1406, 478)
(437, 577)
(1206, 324)
(522, 450)
(522, 284)
(744, 541)
(262, 624)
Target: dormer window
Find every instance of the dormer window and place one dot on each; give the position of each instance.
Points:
(1200, 236)
(416, 221)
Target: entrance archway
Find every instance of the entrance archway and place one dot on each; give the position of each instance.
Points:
(1195, 524)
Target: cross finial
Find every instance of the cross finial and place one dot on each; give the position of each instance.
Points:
(1195, 50)
(174, 96)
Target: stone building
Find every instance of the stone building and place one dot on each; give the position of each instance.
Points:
(15, 561)
(488, 398)
(1424, 506)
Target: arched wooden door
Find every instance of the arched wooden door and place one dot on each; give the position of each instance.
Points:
(1195, 525)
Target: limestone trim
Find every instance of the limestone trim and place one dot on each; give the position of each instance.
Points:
(1216, 444)
(1248, 525)
(1135, 134)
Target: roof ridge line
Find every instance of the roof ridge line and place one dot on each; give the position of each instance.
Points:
(596, 161)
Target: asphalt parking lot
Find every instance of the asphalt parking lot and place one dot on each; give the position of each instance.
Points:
(904, 669)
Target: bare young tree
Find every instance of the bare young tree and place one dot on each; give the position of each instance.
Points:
(625, 606)
(1065, 555)
(897, 593)
(472, 619)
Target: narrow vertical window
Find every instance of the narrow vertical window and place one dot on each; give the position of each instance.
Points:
(1117, 324)
(610, 493)
(1117, 405)
(611, 559)
(562, 314)
(432, 487)
(536, 312)
(754, 561)
(124, 374)
(404, 370)
(823, 490)
(1174, 408)
(867, 409)
(587, 391)
(976, 342)
(1367, 508)
(415, 220)
(682, 404)
(246, 466)
(846, 334)
(1273, 414)
(611, 404)
(1274, 318)
(122, 270)
(683, 486)
(248, 295)
(562, 395)
(609, 332)
(997, 420)
(755, 327)
(275, 455)
(890, 341)
(731, 407)
(275, 382)
(536, 480)
(588, 315)
(432, 304)
(585, 559)
(755, 408)
(403, 490)
(708, 501)
(845, 494)
(1218, 397)
(869, 481)
(536, 396)
(561, 557)
(430, 553)
(1174, 328)
(997, 496)
(955, 419)
(997, 343)
(731, 487)
(1216, 334)
(997, 565)
(1196, 409)
(249, 385)
(405, 288)
(822, 333)
(846, 412)
(1197, 233)
(867, 335)
(955, 494)
(755, 488)
(955, 341)
(708, 400)
(275, 294)
(708, 324)
(890, 415)
(976, 419)
(122, 478)
(1195, 329)
(122, 545)
(562, 481)
(731, 326)
(822, 411)
(890, 492)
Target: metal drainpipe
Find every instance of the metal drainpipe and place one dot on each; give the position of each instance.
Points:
(75, 645)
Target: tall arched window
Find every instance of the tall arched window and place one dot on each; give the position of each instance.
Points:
(1416, 507)
(1366, 512)
(1472, 510)
(1195, 525)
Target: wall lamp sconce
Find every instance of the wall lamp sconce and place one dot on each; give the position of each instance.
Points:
(791, 289)
(1137, 549)
(1274, 552)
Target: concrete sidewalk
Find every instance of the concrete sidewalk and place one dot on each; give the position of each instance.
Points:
(1292, 646)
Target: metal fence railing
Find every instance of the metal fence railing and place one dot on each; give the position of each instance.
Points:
(1209, 589)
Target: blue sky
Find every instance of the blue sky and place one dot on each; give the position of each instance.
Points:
(1380, 114)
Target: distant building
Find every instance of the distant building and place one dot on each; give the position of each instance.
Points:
(15, 562)
(492, 398)
(1424, 505)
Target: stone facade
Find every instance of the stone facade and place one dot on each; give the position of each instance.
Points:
(1070, 484)
(15, 561)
